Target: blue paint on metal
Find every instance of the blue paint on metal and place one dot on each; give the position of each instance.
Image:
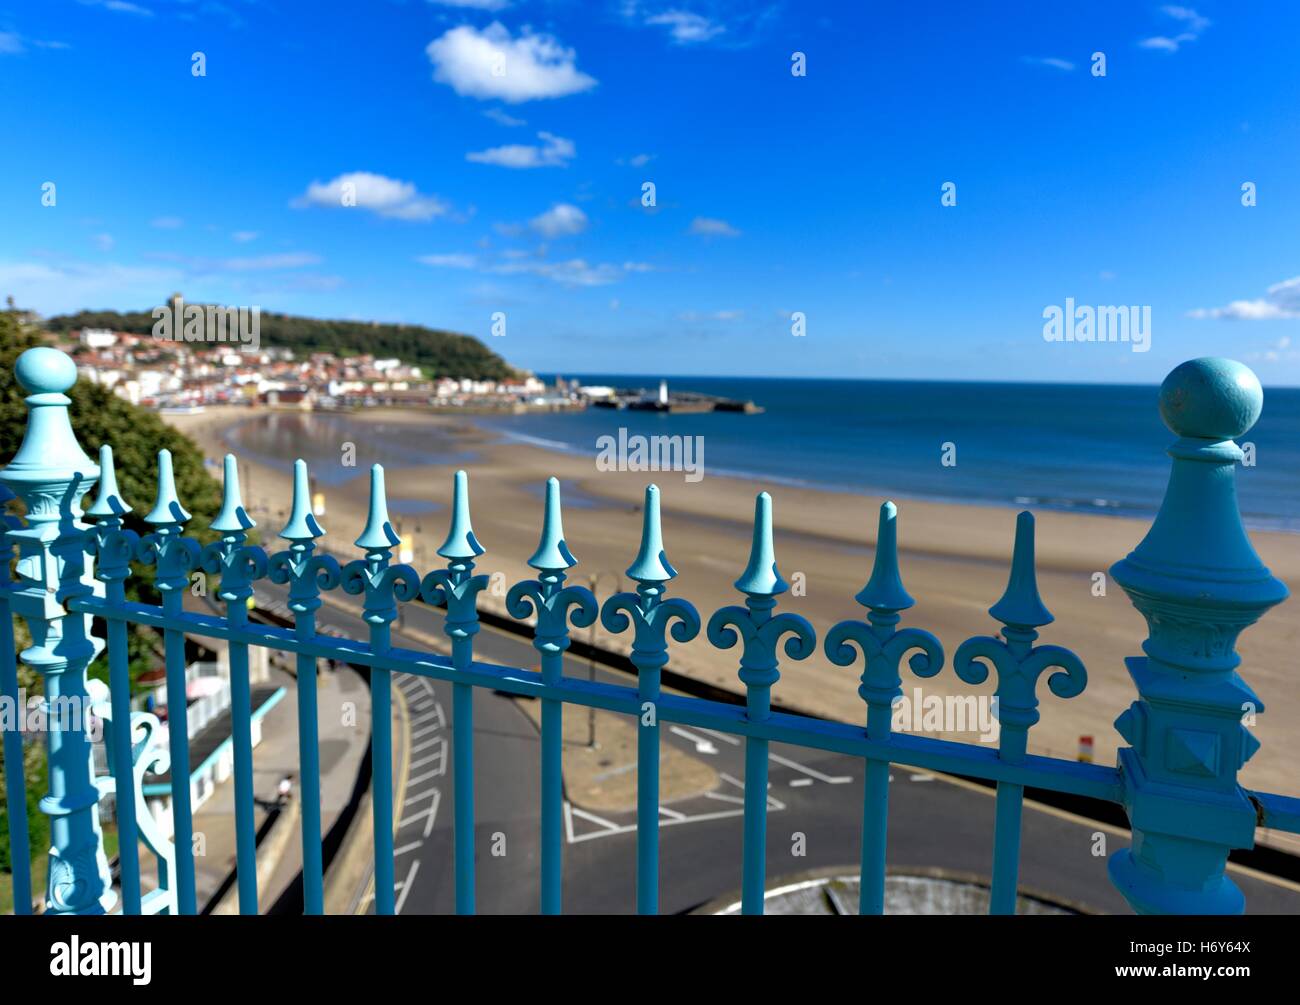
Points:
(882, 646)
(1198, 582)
(1195, 577)
(760, 632)
(651, 617)
(306, 575)
(20, 853)
(457, 588)
(555, 606)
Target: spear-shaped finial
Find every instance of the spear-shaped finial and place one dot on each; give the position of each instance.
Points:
(761, 577)
(461, 542)
(379, 534)
(302, 525)
(1020, 604)
(232, 519)
(167, 507)
(651, 565)
(884, 590)
(109, 502)
(552, 553)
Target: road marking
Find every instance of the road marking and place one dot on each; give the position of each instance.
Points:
(436, 773)
(427, 744)
(727, 737)
(722, 797)
(429, 815)
(426, 731)
(407, 847)
(811, 772)
(702, 746)
(799, 783)
(923, 776)
(608, 825)
(425, 760)
(672, 814)
(405, 886)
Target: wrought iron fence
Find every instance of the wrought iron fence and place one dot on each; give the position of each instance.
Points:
(1195, 577)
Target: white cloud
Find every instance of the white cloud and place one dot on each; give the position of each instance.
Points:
(104, 242)
(491, 64)
(167, 222)
(473, 4)
(244, 236)
(263, 263)
(120, 6)
(560, 220)
(73, 286)
(556, 152)
(1192, 22)
(704, 226)
(1282, 301)
(387, 197)
(711, 316)
(686, 27)
(449, 261)
(640, 160)
(10, 43)
(1052, 61)
(501, 118)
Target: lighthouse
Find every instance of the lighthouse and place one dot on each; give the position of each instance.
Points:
(663, 393)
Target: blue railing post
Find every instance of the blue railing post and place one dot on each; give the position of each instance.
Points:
(883, 645)
(551, 600)
(457, 588)
(176, 556)
(114, 546)
(238, 566)
(383, 584)
(650, 615)
(307, 575)
(50, 473)
(1198, 582)
(755, 626)
(1018, 664)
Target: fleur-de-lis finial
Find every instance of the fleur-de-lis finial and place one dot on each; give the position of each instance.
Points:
(114, 543)
(175, 555)
(108, 503)
(461, 542)
(382, 584)
(1018, 662)
(650, 615)
(754, 624)
(238, 563)
(305, 573)
(881, 644)
(547, 595)
(456, 587)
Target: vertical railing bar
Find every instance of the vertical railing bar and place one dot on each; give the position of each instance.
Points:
(241, 703)
(381, 774)
(647, 793)
(128, 832)
(462, 699)
(1006, 848)
(178, 748)
(313, 883)
(754, 864)
(552, 787)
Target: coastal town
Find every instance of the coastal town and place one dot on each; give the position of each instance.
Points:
(191, 375)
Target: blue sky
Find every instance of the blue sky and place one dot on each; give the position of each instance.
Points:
(497, 151)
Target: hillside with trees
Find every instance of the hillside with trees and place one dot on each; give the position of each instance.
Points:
(439, 353)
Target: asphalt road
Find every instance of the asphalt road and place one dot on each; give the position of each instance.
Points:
(815, 805)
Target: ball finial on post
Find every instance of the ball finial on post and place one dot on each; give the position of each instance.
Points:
(1211, 399)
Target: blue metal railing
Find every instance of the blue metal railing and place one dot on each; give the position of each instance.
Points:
(1195, 577)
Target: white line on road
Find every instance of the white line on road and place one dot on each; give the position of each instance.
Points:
(702, 746)
(406, 886)
(407, 847)
(726, 737)
(799, 783)
(671, 814)
(812, 772)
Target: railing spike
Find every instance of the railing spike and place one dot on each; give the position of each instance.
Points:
(1020, 603)
(761, 577)
(109, 502)
(167, 507)
(379, 534)
(552, 551)
(461, 542)
(651, 564)
(884, 590)
(233, 518)
(302, 525)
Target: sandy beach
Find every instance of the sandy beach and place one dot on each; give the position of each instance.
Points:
(954, 561)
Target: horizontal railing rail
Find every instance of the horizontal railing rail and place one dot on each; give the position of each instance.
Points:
(1195, 577)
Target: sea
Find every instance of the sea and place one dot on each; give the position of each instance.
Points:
(1083, 448)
